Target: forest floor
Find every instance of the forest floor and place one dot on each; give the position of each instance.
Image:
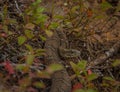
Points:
(97, 38)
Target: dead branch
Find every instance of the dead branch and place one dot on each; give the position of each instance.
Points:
(102, 59)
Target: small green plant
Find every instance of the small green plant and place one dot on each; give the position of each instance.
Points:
(84, 77)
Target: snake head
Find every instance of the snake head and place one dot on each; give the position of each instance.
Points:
(69, 53)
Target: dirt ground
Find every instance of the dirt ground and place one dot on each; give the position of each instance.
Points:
(98, 39)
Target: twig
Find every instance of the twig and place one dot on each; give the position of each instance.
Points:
(18, 7)
(105, 56)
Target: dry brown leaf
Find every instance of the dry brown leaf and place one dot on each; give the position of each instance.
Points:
(98, 38)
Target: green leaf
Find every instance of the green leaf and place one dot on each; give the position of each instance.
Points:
(36, 2)
(92, 77)
(80, 90)
(39, 18)
(29, 59)
(39, 84)
(43, 74)
(82, 65)
(29, 47)
(49, 33)
(21, 40)
(108, 78)
(75, 8)
(99, 17)
(42, 37)
(29, 34)
(53, 25)
(54, 67)
(58, 17)
(39, 52)
(40, 9)
(91, 90)
(20, 67)
(85, 90)
(105, 5)
(75, 68)
(116, 62)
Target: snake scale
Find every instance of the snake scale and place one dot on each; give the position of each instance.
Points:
(55, 47)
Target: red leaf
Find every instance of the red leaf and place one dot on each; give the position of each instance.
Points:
(76, 86)
(3, 35)
(89, 13)
(89, 72)
(9, 67)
